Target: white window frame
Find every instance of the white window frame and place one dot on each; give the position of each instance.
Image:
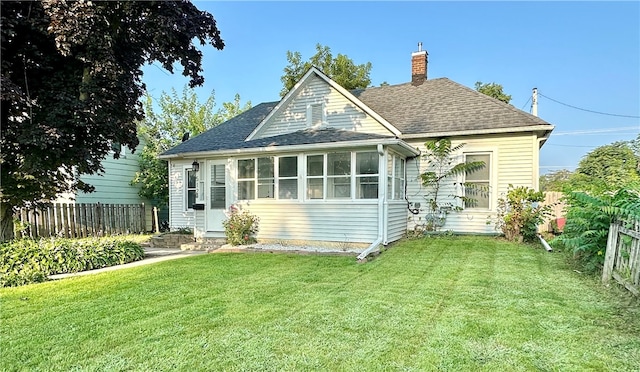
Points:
(353, 193)
(491, 180)
(185, 174)
(392, 177)
(356, 175)
(276, 177)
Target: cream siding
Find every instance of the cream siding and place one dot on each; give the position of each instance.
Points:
(396, 220)
(339, 112)
(345, 222)
(514, 161)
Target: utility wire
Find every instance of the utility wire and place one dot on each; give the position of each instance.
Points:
(587, 110)
(525, 103)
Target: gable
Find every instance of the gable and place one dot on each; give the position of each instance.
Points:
(317, 104)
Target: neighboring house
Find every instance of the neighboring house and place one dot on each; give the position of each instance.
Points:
(114, 185)
(328, 165)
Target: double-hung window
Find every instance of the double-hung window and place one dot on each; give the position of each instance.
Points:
(268, 178)
(342, 175)
(395, 177)
(288, 177)
(367, 175)
(315, 177)
(478, 183)
(191, 189)
(247, 179)
(339, 175)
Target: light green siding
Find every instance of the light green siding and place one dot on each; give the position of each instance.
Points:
(113, 186)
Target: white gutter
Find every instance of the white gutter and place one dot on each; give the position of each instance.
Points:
(381, 219)
(481, 131)
(296, 148)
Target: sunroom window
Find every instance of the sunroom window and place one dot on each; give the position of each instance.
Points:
(288, 177)
(247, 179)
(268, 178)
(367, 175)
(339, 175)
(395, 177)
(315, 177)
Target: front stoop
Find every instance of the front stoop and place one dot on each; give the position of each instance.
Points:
(170, 240)
(206, 244)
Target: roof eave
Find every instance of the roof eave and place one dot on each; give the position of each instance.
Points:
(545, 129)
(398, 144)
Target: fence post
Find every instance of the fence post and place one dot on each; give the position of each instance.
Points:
(610, 254)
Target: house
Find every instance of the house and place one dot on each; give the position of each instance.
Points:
(113, 186)
(325, 164)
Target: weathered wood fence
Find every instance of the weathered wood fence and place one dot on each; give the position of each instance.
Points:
(553, 199)
(80, 220)
(622, 259)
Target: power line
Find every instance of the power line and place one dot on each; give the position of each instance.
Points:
(587, 110)
(563, 145)
(522, 108)
(590, 131)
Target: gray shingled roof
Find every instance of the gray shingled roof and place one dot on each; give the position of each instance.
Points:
(228, 135)
(441, 105)
(231, 135)
(436, 106)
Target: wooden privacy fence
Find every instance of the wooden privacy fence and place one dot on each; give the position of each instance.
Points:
(553, 199)
(80, 220)
(622, 259)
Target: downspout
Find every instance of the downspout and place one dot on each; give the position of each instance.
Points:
(382, 195)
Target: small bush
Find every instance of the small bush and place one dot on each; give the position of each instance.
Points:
(240, 227)
(28, 261)
(520, 213)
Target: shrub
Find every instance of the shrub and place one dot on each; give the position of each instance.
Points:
(520, 213)
(240, 227)
(28, 261)
(589, 219)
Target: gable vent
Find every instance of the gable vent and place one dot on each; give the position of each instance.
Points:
(314, 115)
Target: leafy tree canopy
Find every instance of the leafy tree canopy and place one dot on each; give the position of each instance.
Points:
(555, 181)
(493, 90)
(71, 83)
(163, 128)
(341, 69)
(607, 168)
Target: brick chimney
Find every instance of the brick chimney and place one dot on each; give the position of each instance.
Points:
(419, 61)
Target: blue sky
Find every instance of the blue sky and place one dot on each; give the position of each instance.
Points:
(584, 54)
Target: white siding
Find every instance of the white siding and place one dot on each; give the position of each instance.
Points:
(514, 158)
(178, 216)
(339, 112)
(396, 220)
(347, 222)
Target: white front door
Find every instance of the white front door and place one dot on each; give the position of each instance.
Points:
(216, 201)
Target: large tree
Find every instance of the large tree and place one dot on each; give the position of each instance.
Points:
(341, 69)
(72, 82)
(607, 168)
(164, 127)
(493, 90)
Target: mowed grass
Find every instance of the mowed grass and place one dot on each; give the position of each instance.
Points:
(461, 303)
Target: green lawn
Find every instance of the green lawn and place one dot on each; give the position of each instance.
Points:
(463, 303)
